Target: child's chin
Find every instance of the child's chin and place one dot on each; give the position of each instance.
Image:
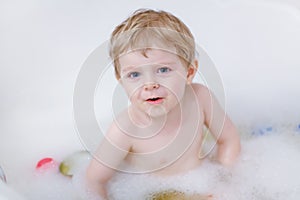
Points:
(157, 111)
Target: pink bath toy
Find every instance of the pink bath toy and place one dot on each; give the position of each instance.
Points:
(46, 163)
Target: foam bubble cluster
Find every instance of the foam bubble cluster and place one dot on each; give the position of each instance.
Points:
(268, 168)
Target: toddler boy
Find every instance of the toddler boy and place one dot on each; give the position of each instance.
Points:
(161, 130)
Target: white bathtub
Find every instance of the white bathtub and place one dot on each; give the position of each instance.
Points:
(255, 46)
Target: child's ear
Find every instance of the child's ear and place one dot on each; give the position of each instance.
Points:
(120, 81)
(191, 72)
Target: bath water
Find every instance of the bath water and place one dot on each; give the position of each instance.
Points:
(268, 168)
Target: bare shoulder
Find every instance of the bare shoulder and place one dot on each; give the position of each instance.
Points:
(201, 91)
(119, 132)
(205, 97)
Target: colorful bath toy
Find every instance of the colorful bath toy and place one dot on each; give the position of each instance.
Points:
(298, 127)
(178, 195)
(2, 175)
(46, 163)
(73, 162)
(262, 130)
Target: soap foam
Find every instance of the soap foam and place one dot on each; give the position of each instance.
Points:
(268, 168)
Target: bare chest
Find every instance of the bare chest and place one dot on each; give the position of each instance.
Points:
(170, 151)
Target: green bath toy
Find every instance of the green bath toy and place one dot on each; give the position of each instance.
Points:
(73, 162)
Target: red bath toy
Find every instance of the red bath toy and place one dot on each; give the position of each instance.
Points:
(45, 163)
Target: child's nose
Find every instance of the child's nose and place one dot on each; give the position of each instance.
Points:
(151, 86)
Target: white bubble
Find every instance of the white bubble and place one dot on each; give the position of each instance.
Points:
(268, 168)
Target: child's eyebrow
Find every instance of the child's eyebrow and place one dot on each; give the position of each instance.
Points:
(167, 63)
(127, 68)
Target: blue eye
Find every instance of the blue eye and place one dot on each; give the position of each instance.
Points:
(164, 70)
(133, 75)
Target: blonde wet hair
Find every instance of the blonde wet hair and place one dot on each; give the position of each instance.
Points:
(146, 29)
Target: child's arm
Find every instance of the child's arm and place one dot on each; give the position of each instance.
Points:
(221, 127)
(111, 152)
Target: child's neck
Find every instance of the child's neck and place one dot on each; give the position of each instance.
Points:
(143, 120)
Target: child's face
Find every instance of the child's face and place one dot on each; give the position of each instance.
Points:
(154, 84)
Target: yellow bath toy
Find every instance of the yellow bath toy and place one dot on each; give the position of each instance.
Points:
(73, 162)
(178, 195)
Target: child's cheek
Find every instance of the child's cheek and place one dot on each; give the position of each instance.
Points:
(131, 89)
(175, 85)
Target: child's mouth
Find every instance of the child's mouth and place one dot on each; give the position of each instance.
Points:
(155, 100)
